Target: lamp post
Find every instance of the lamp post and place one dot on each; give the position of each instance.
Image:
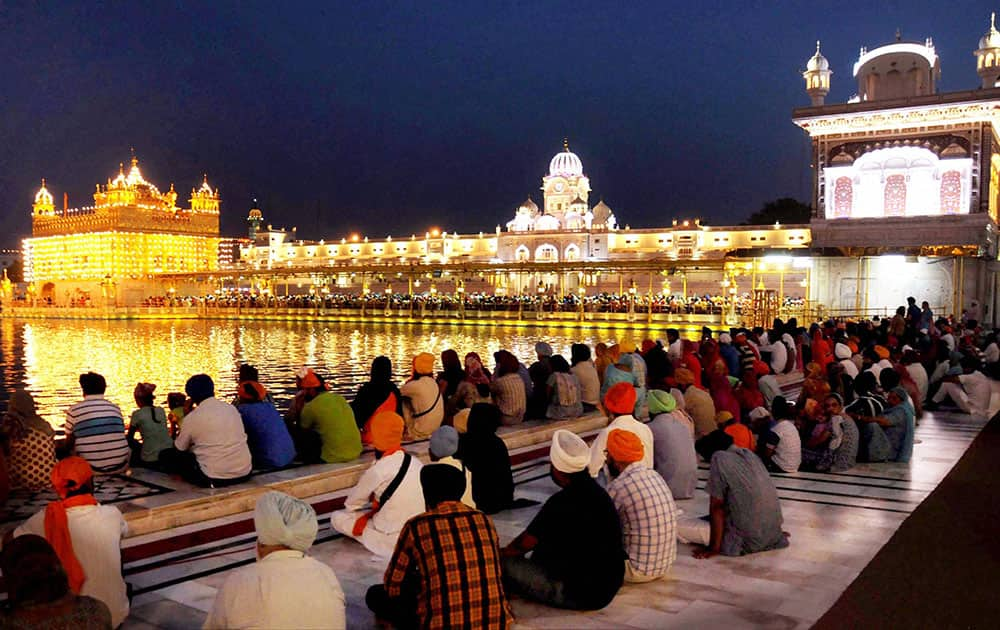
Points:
(541, 299)
(631, 301)
(388, 300)
(582, 291)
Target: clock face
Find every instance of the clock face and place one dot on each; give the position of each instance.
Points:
(560, 186)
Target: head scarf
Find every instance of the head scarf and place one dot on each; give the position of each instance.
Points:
(569, 453)
(143, 391)
(440, 483)
(725, 338)
(759, 413)
(626, 346)
(543, 349)
(841, 351)
(68, 475)
(387, 431)
(21, 409)
(722, 395)
(200, 387)
(450, 360)
(307, 378)
(283, 520)
(381, 370)
(761, 368)
(684, 376)
(660, 402)
(507, 363)
(624, 446)
(474, 372)
(620, 399)
(423, 364)
(444, 442)
(251, 391)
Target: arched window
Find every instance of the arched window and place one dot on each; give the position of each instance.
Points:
(951, 192)
(894, 197)
(572, 253)
(843, 198)
(547, 253)
(522, 254)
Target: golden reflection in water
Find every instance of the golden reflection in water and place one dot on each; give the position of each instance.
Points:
(47, 356)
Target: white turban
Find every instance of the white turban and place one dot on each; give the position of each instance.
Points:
(569, 453)
(725, 338)
(842, 351)
(759, 412)
(284, 520)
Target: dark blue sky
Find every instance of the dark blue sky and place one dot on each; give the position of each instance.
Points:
(391, 117)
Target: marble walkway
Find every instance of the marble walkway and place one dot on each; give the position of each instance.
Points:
(837, 523)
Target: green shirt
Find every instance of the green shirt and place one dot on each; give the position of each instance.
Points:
(329, 415)
(151, 423)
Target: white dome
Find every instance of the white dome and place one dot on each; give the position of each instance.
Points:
(992, 38)
(566, 163)
(817, 62)
(547, 222)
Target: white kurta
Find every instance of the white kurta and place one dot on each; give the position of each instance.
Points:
(628, 423)
(284, 589)
(406, 502)
(96, 532)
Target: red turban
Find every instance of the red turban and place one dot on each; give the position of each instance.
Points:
(620, 399)
(68, 475)
(252, 391)
(624, 446)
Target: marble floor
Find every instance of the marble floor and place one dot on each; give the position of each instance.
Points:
(837, 524)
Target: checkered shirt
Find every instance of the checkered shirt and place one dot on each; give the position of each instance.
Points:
(648, 517)
(456, 553)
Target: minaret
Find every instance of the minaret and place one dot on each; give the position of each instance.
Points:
(254, 219)
(988, 56)
(817, 76)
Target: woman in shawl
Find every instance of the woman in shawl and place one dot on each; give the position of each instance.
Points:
(748, 393)
(815, 385)
(377, 395)
(475, 387)
(621, 372)
(486, 456)
(889, 436)
(710, 356)
(563, 390)
(602, 359)
(722, 395)
(452, 374)
(28, 443)
(689, 359)
(822, 354)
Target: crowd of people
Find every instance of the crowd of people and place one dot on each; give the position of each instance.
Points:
(720, 398)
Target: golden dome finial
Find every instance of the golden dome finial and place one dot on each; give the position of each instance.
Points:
(43, 182)
(817, 46)
(565, 144)
(121, 168)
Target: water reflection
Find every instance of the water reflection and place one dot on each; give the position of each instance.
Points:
(47, 356)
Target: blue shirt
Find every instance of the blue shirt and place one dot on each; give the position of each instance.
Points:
(732, 358)
(270, 444)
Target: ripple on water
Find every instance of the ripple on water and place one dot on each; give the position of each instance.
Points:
(47, 356)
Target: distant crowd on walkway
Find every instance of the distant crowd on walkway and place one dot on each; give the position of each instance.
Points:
(750, 403)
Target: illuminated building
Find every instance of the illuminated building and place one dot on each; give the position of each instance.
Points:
(906, 180)
(113, 249)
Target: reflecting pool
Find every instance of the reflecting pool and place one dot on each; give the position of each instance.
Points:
(47, 356)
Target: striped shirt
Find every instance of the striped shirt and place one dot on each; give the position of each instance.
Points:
(648, 517)
(456, 552)
(98, 430)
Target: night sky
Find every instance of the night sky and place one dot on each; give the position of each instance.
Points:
(389, 118)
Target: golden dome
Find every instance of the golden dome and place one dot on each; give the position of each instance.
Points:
(43, 196)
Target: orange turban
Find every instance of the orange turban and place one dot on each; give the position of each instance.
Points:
(387, 431)
(620, 399)
(882, 352)
(307, 378)
(67, 476)
(684, 376)
(624, 446)
(423, 363)
(252, 391)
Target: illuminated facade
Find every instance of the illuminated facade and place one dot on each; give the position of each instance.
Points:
(905, 180)
(113, 249)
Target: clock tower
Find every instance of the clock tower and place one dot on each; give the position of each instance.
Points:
(565, 183)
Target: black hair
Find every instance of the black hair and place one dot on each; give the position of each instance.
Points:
(93, 383)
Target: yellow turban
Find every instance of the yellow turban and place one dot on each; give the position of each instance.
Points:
(626, 346)
(624, 446)
(684, 376)
(723, 417)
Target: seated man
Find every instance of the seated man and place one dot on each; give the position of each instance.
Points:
(445, 570)
(486, 456)
(423, 405)
(86, 536)
(442, 448)
(329, 417)
(387, 495)
(697, 402)
(619, 402)
(673, 445)
(745, 515)
(267, 436)
(285, 588)
(211, 449)
(779, 445)
(970, 390)
(645, 508)
(577, 561)
(95, 428)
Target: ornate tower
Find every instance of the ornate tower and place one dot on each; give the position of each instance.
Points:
(205, 199)
(254, 219)
(988, 56)
(564, 183)
(817, 76)
(43, 202)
